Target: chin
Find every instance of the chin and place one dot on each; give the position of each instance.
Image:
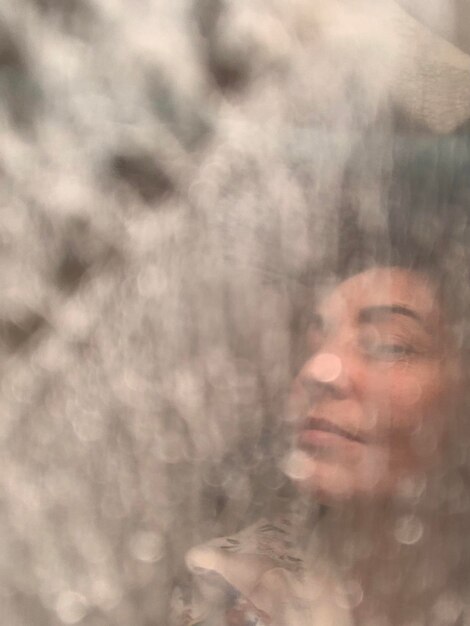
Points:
(328, 490)
(329, 482)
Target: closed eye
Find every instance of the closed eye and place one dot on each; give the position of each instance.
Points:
(389, 351)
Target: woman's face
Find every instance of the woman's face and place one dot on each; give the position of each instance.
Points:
(373, 401)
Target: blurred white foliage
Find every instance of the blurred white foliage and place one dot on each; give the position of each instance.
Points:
(149, 216)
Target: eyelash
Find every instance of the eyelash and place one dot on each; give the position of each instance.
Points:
(390, 351)
(385, 351)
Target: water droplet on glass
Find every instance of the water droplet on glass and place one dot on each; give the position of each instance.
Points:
(349, 595)
(412, 488)
(447, 609)
(147, 546)
(408, 530)
(71, 607)
(298, 465)
(105, 595)
(326, 367)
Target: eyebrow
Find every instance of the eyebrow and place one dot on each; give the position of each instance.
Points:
(377, 313)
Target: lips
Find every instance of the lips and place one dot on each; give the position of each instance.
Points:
(319, 431)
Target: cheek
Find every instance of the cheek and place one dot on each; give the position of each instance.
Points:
(411, 399)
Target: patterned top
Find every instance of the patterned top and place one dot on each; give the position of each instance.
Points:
(258, 577)
(273, 574)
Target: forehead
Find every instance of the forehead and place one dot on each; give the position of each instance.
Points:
(382, 287)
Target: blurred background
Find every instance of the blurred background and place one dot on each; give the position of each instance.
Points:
(171, 172)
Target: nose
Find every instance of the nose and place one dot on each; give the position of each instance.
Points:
(326, 373)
